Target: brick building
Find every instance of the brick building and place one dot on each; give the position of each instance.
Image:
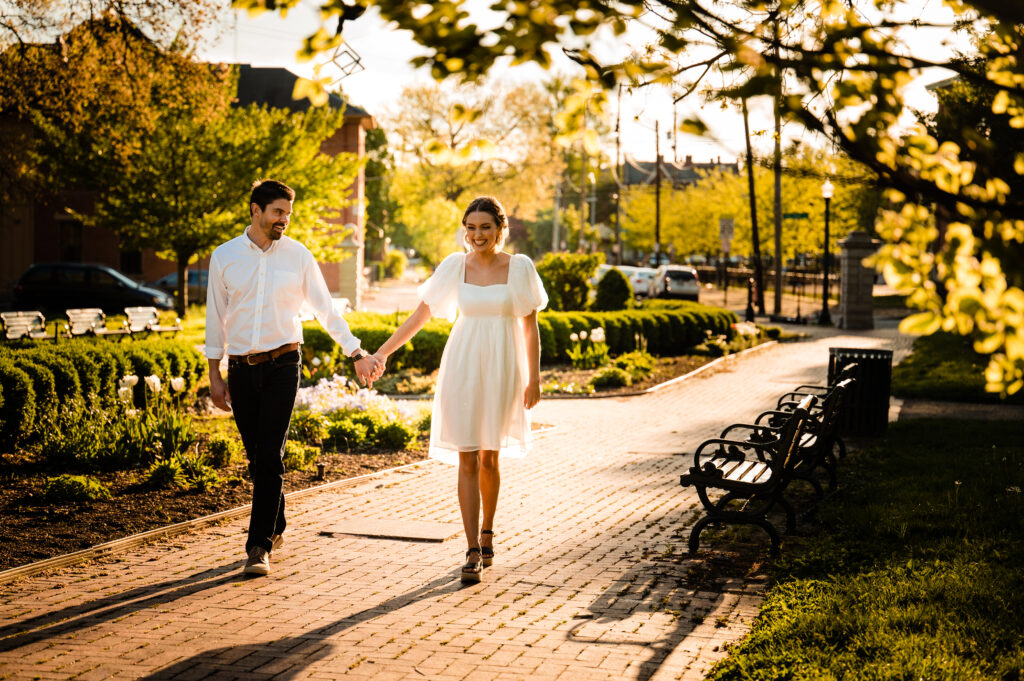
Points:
(41, 231)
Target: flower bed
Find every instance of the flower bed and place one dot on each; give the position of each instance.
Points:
(129, 464)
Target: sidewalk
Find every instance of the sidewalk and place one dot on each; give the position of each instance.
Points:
(579, 589)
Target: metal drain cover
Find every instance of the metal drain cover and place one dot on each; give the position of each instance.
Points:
(406, 530)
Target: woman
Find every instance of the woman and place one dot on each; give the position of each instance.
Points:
(490, 369)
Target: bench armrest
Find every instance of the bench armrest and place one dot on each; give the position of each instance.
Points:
(732, 449)
(753, 428)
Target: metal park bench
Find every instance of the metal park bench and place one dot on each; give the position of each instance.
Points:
(147, 319)
(91, 321)
(752, 474)
(817, 446)
(30, 324)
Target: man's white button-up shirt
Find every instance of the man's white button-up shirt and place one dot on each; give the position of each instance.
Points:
(254, 297)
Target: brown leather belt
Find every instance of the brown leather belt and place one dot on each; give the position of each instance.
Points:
(261, 357)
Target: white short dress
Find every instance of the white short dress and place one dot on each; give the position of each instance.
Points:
(478, 400)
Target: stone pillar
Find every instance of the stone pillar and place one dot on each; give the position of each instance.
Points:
(856, 305)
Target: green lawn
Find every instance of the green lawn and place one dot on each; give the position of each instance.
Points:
(945, 366)
(916, 572)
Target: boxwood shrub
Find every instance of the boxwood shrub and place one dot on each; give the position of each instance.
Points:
(18, 413)
(81, 372)
(669, 328)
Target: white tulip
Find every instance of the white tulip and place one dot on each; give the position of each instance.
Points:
(124, 394)
(573, 337)
(177, 384)
(583, 335)
(153, 383)
(597, 335)
(316, 361)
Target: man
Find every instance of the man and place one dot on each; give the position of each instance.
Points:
(258, 282)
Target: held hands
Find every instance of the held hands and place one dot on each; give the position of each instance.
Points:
(369, 369)
(381, 363)
(532, 395)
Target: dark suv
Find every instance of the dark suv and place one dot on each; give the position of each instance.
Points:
(58, 286)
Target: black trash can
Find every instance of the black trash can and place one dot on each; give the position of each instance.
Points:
(867, 407)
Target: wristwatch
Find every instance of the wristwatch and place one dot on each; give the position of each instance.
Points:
(360, 354)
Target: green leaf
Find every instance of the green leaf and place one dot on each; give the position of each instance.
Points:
(921, 324)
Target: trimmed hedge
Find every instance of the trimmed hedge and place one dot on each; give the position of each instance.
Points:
(372, 329)
(667, 330)
(18, 413)
(38, 379)
(670, 328)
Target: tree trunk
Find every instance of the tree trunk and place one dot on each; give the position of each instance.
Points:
(755, 237)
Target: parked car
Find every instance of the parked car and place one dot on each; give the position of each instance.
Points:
(641, 278)
(639, 284)
(197, 283)
(58, 286)
(599, 274)
(675, 281)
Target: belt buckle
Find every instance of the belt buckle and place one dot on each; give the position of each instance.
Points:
(249, 358)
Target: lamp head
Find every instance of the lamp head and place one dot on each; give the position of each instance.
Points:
(827, 189)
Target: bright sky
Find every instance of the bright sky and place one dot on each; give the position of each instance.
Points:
(269, 40)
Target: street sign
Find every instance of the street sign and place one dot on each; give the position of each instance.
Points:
(795, 216)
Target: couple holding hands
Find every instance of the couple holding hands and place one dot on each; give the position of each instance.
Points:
(488, 380)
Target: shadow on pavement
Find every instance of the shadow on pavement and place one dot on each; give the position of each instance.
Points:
(289, 657)
(677, 588)
(91, 613)
(646, 592)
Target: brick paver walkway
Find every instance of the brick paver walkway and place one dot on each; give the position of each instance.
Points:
(572, 594)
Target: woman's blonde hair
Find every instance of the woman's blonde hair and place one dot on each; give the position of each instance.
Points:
(493, 207)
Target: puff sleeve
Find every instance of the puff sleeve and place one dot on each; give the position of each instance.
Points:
(441, 291)
(527, 290)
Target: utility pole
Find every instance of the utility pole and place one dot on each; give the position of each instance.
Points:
(755, 237)
(618, 181)
(583, 192)
(583, 179)
(554, 219)
(657, 195)
(675, 134)
(777, 168)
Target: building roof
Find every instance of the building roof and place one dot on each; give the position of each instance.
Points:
(273, 86)
(678, 174)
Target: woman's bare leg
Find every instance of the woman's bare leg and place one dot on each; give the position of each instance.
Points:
(490, 483)
(469, 496)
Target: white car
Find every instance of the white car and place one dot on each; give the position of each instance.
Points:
(641, 278)
(675, 281)
(602, 270)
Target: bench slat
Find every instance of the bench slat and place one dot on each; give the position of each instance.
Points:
(736, 473)
(755, 473)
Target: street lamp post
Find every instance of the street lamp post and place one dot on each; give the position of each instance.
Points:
(826, 193)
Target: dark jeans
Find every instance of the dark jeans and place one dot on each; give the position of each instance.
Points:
(262, 397)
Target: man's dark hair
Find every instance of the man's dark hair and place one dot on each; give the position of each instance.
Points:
(267, 191)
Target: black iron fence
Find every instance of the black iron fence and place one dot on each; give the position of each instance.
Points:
(795, 281)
